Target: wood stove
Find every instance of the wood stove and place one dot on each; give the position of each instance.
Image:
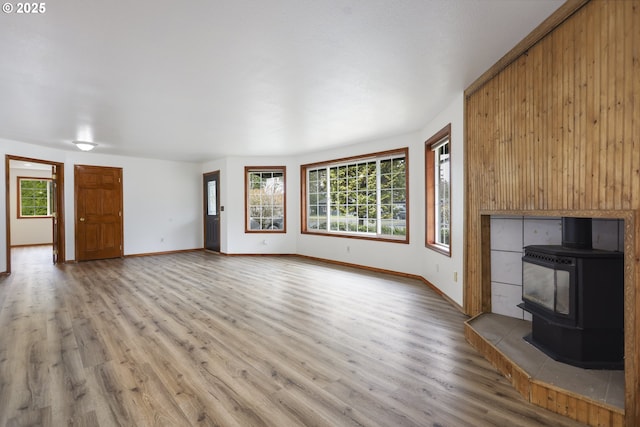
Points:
(575, 295)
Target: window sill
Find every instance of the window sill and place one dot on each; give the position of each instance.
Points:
(442, 249)
(400, 239)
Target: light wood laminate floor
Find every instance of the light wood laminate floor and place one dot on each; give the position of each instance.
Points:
(200, 339)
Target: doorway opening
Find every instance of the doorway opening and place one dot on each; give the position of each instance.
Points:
(51, 222)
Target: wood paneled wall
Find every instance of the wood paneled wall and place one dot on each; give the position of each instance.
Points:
(557, 132)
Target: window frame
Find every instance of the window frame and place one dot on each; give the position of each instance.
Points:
(377, 156)
(50, 201)
(430, 191)
(247, 216)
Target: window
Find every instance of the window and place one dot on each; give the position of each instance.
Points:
(438, 186)
(35, 197)
(265, 199)
(363, 196)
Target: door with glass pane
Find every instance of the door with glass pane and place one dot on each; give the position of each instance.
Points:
(212, 209)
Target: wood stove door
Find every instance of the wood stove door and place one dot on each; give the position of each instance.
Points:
(549, 290)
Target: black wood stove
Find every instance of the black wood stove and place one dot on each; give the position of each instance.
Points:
(575, 295)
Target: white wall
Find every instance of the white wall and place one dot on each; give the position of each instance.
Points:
(162, 199)
(233, 239)
(393, 256)
(446, 273)
(27, 231)
(412, 258)
(163, 206)
(162, 202)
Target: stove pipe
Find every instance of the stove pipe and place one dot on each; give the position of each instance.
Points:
(576, 233)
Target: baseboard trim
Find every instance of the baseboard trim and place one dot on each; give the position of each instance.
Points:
(249, 254)
(363, 267)
(162, 253)
(390, 272)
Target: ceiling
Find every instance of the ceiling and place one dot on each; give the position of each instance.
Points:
(206, 79)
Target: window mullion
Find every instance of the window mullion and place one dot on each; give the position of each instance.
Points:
(378, 198)
(436, 180)
(48, 200)
(328, 186)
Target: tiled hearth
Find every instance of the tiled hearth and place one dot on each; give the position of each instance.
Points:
(594, 397)
(507, 333)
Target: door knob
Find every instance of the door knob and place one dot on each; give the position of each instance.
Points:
(82, 219)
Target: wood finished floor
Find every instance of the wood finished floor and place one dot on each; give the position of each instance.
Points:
(199, 339)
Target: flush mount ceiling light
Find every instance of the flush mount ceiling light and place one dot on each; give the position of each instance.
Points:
(85, 145)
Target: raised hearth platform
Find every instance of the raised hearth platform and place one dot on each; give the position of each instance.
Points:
(594, 397)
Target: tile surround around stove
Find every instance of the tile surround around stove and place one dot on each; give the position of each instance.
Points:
(509, 235)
